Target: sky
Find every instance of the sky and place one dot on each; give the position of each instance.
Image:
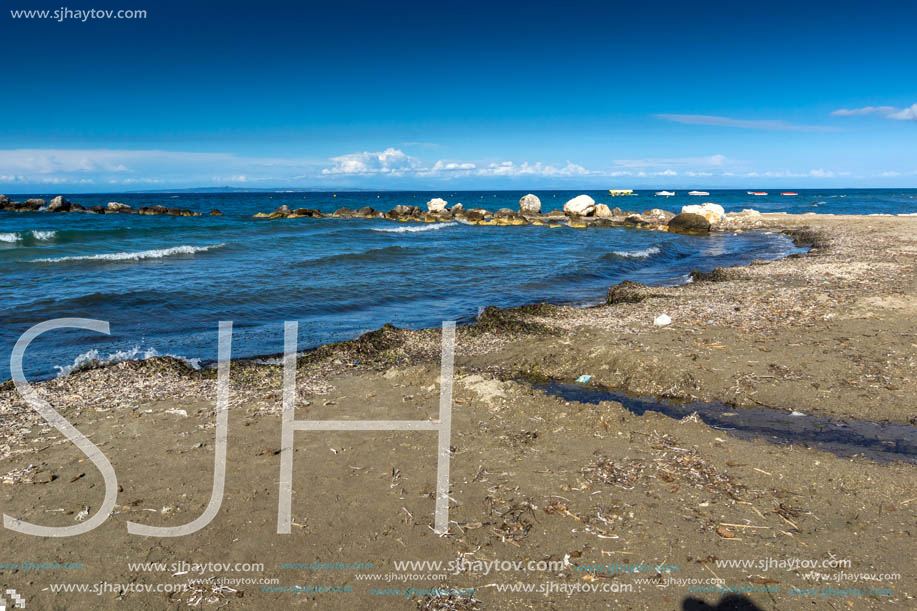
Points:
(464, 95)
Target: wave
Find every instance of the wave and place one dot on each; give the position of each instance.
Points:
(44, 235)
(646, 253)
(158, 253)
(10, 238)
(92, 359)
(372, 255)
(413, 229)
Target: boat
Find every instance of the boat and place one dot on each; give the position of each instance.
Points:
(757, 192)
(698, 193)
(665, 193)
(619, 192)
(789, 193)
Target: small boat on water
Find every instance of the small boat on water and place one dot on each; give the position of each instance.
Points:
(665, 193)
(757, 192)
(698, 193)
(619, 192)
(789, 193)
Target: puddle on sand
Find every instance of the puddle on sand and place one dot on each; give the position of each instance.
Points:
(879, 442)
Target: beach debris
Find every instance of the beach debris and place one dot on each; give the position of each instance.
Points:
(624, 473)
(445, 598)
(177, 412)
(82, 514)
(725, 533)
(583, 379)
(662, 320)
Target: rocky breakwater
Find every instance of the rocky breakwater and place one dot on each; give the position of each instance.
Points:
(60, 204)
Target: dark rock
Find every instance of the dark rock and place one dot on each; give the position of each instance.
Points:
(365, 212)
(154, 210)
(344, 212)
(689, 223)
(308, 212)
(401, 210)
(101, 210)
(719, 274)
(505, 213)
(215, 212)
(628, 292)
(59, 204)
(76, 208)
(4, 202)
(180, 212)
(33, 204)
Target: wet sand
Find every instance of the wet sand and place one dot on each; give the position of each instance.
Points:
(534, 477)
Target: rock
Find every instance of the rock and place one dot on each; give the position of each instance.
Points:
(714, 213)
(4, 201)
(400, 210)
(34, 204)
(504, 212)
(473, 215)
(458, 206)
(366, 212)
(719, 274)
(59, 204)
(437, 205)
(581, 205)
(153, 210)
(689, 223)
(311, 212)
(657, 216)
(280, 213)
(602, 211)
(77, 208)
(215, 212)
(662, 320)
(628, 292)
(118, 207)
(529, 204)
(344, 212)
(180, 212)
(98, 210)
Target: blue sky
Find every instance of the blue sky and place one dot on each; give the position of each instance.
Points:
(465, 95)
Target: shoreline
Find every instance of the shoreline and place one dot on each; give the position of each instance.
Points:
(533, 475)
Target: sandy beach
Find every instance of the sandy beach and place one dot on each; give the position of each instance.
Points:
(583, 491)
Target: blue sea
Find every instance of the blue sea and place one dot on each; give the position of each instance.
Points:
(164, 282)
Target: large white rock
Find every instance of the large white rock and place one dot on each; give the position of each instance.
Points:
(714, 213)
(530, 204)
(437, 205)
(581, 205)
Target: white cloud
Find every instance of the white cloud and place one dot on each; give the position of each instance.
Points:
(906, 114)
(390, 161)
(889, 112)
(508, 168)
(661, 162)
(765, 124)
(866, 110)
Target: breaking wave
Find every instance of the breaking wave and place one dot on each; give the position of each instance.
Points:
(413, 229)
(645, 253)
(93, 358)
(158, 253)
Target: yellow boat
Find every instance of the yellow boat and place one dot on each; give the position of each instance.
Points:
(618, 192)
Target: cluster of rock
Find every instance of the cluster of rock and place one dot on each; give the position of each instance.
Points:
(61, 204)
(580, 212)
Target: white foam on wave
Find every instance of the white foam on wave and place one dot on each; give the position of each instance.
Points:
(158, 253)
(646, 253)
(412, 229)
(44, 235)
(93, 358)
(10, 238)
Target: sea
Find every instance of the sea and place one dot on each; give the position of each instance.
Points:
(163, 283)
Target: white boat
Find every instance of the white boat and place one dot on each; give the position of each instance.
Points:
(698, 193)
(665, 193)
